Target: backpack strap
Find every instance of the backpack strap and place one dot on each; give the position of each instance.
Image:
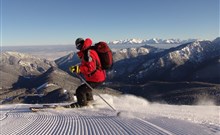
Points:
(87, 56)
(98, 66)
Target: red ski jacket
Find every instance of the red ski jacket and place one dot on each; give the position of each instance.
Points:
(90, 65)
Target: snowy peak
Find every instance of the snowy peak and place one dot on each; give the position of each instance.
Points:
(152, 41)
(127, 41)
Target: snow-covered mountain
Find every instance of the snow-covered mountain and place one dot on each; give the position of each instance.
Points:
(179, 63)
(134, 68)
(152, 41)
(133, 52)
(169, 75)
(27, 64)
(15, 65)
(127, 41)
(24, 77)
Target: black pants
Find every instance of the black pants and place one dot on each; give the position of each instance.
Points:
(84, 93)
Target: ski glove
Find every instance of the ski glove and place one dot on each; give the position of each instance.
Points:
(74, 69)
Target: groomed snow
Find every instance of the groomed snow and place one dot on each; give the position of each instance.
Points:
(137, 116)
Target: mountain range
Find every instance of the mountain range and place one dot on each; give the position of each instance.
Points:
(179, 75)
(183, 63)
(152, 41)
(141, 64)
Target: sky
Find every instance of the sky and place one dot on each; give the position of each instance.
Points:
(55, 22)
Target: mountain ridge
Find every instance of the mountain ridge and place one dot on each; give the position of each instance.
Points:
(152, 41)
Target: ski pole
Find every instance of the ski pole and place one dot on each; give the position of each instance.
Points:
(94, 91)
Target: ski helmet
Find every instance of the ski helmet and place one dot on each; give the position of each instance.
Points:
(79, 43)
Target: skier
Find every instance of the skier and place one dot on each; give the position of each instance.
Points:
(91, 69)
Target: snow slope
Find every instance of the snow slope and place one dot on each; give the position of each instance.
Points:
(137, 117)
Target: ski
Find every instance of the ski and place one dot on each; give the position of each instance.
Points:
(35, 109)
(46, 107)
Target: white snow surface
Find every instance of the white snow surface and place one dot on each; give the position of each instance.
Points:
(136, 117)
